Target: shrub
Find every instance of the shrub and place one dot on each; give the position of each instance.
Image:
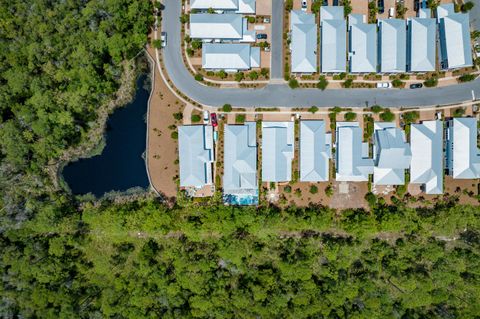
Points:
(253, 75)
(178, 116)
(376, 109)
(431, 82)
(251, 20)
(313, 189)
(350, 116)
(371, 199)
(240, 118)
(239, 76)
(459, 112)
(174, 135)
(467, 6)
(287, 189)
(397, 83)
(196, 118)
(222, 74)
(322, 83)
(190, 52)
(198, 77)
(289, 5)
(188, 39)
(329, 190)
(466, 78)
(401, 190)
(387, 116)
(410, 117)
(196, 44)
(264, 72)
(184, 18)
(227, 108)
(293, 83)
(313, 109)
(157, 44)
(348, 83)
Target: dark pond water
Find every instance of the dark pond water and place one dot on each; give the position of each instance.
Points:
(120, 166)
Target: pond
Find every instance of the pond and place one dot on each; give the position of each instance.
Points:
(121, 165)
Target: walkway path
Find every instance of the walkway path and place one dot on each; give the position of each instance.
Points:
(280, 95)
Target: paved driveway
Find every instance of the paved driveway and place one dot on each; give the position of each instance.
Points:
(283, 96)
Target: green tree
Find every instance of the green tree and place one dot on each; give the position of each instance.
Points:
(387, 116)
(322, 83)
(313, 109)
(196, 118)
(350, 116)
(313, 189)
(253, 75)
(239, 76)
(293, 83)
(227, 108)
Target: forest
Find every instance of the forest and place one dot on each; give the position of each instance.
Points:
(66, 258)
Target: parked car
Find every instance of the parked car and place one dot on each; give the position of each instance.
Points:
(163, 38)
(304, 5)
(206, 117)
(381, 6)
(391, 13)
(261, 36)
(213, 117)
(416, 86)
(266, 20)
(384, 85)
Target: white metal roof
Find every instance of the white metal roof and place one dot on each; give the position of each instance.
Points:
(301, 17)
(391, 153)
(331, 13)
(462, 151)
(232, 56)
(444, 10)
(424, 13)
(247, 6)
(315, 151)
(334, 46)
(426, 141)
(393, 45)
(240, 158)
(277, 151)
(304, 47)
(216, 26)
(214, 4)
(195, 146)
(363, 49)
(455, 40)
(352, 162)
(355, 18)
(422, 35)
(255, 57)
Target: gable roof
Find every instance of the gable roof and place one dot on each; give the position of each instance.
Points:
(393, 41)
(426, 141)
(195, 147)
(352, 162)
(444, 10)
(277, 151)
(363, 49)
(464, 153)
(314, 152)
(301, 17)
(391, 153)
(455, 40)
(226, 56)
(304, 46)
(240, 158)
(331, 13)
(247, 6)
(355, 18)
(216, 26)
(334, 46)
(422, 46)
(214, 4)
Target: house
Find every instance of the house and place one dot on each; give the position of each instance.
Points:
(462, 154)
(303, 44)
(355, 18)
(363, 48)
(424, 13)
(352, 162)
(315, 151)
(444, 10)
(426, 141)
(334, 40)
(391, 154)
(237, 6)
(422, 34)
(196, 152)
(455, 45)
(393, 45)
(240, 180)
(208, 27)
(277, 151)
(230, 56)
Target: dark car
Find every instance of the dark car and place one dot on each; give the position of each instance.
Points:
(381, 6)
(262, 36)
(416, 86)
(213, 117)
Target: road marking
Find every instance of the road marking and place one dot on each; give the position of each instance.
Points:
(473, 95)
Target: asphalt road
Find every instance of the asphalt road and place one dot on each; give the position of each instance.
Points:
(282, 96)
(276, 63)
(475, 15)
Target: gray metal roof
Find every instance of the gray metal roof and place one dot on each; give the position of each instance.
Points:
(444, 10)
(214, 4)
(463, 156)
(247, 6)
(301, 17)
(352, 162)
(363, 49)
(240, 159)
(334, 46)
(391, 153)
(393, 45)
(195, 147)
(233, 56)
(277, 151)
(455, 40)
(331, 13)
(216, 26)
(424, 13)
(426, 141)
(304, 47)
(422, 38)
(315, 151)
(355, 18)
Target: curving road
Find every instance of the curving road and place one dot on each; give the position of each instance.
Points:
(280, 95)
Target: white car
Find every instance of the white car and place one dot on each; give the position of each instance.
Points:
(304, 5)
(206, 117)
(384, 85)
(163, 38)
